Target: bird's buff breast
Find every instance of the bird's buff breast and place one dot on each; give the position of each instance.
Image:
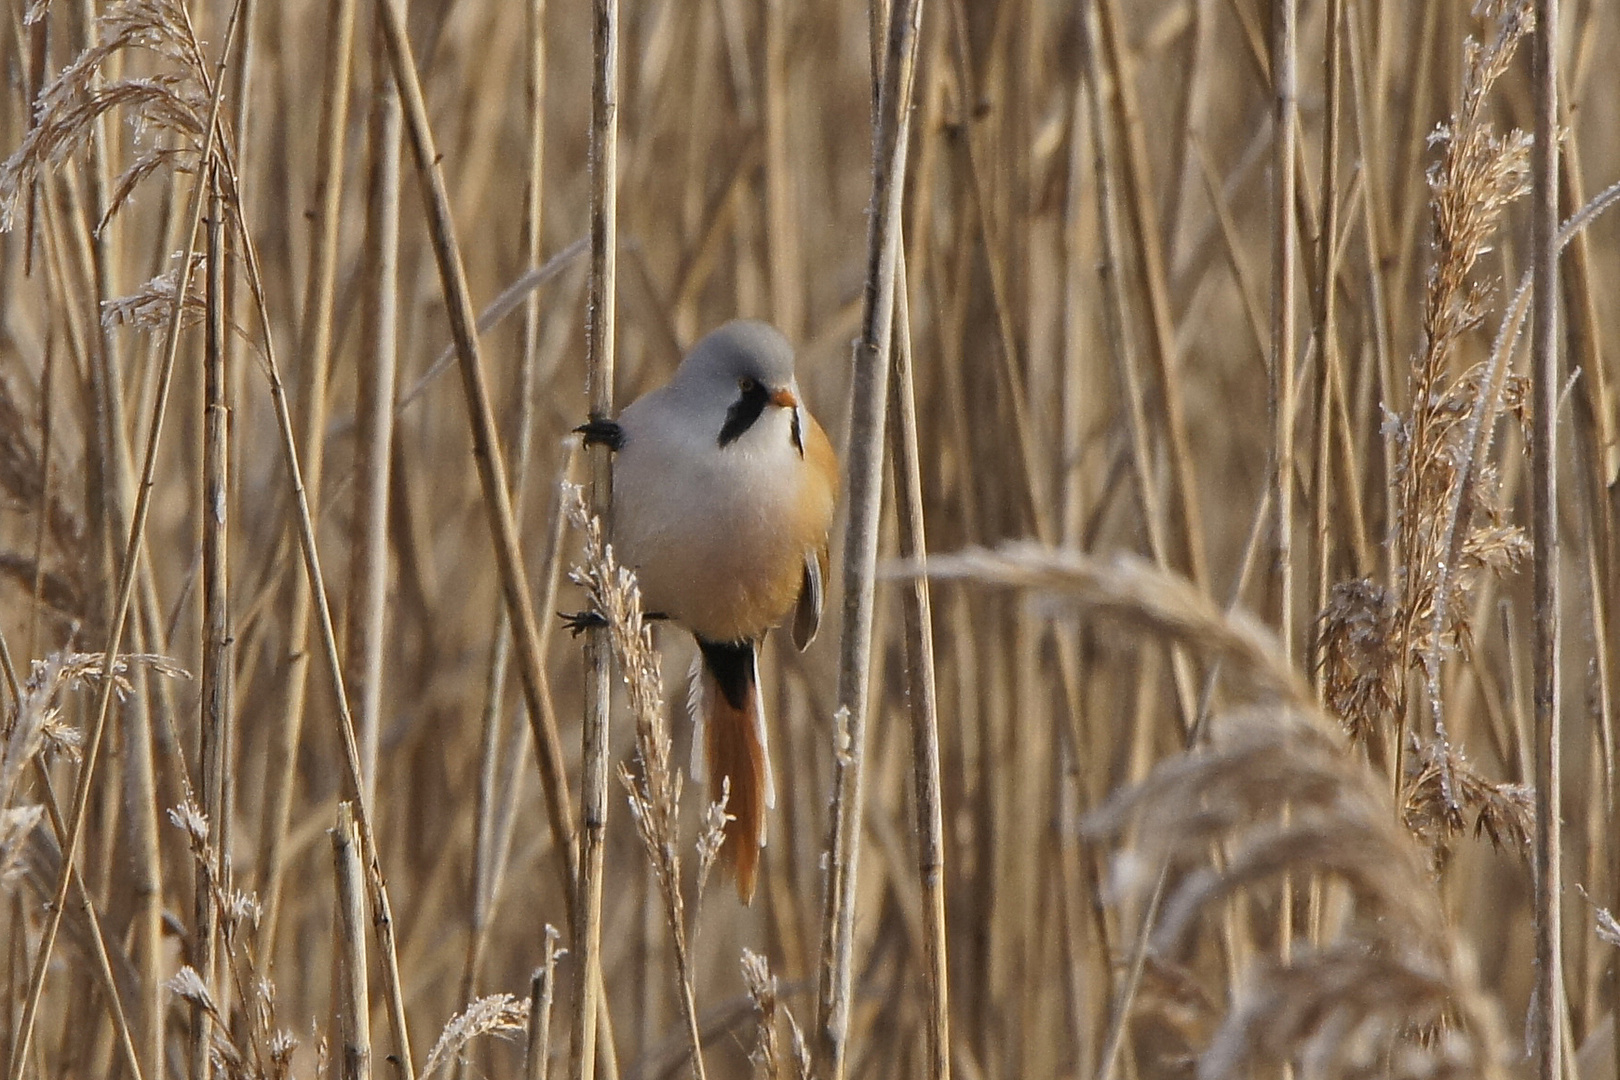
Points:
(717, 544)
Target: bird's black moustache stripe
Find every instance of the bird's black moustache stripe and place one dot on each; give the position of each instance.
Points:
(743, 413)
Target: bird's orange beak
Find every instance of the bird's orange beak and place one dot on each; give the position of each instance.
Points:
(784, 397)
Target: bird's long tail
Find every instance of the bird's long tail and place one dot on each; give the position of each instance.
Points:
(729, 745)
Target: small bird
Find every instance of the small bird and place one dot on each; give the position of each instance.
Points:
(723, 495)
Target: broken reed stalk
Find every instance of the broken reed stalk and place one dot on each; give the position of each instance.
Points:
(315, 354)
(486, 444)
(215, 704)
(601, 310)
(126, 577)
(1546, 1021)
(921, 695)
(542, 990)
(368, 578)
(351, 1009)
(864, 471)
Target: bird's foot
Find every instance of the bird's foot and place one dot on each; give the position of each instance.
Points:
(602, 432)
(578, 622)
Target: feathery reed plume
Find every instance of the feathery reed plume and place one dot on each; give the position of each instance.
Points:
(35, 724)
(654, 789)
(1449, 526)
(1386, 978)
(169, 109)
(1443, 792)
(767, 1052)
(1390, 971)
(251, 1047)
(1140, 595)
(497, 1014)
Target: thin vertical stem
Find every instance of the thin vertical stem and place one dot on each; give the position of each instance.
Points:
(486, 445)
(369, 578)
(314, 347)
(1142, 212)
(865, 487)
(489, 850)
(215, 705)
(1544, 536)
(781, 206)
(382, 915)
(1285, 238)
(126, 587)
(920, 685)
(599, 356)
(1285, 256)
(350, 1001)
(542, 989)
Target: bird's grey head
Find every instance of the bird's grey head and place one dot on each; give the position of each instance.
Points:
(739, 350)
(746, 365)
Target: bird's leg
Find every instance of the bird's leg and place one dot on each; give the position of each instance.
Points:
(600, 431)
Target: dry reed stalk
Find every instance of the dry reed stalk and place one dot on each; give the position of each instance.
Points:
(486, 443)
(1284, 315)
(781, 181)
(864, 472)
(600, 327)
(368, 573)
(126, 583)
(494, 832)
(1284, 343)
(654, 789)
(496, 817)
(1594, 440)
(351, 1009)
(109, 476)
(1544, 380)
(110, 466)
(1119, 326)
(32, 727)
(315, 350)
(216, 722)
(542, 989)
(381, 907)
(983, 198)
(1147, 235)
(920, 692)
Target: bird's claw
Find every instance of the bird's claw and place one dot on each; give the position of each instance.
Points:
(602, 432)
(578, 622)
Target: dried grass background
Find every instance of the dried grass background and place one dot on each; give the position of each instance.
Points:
(1192, 825)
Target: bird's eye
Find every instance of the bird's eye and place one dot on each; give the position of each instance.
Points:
(747, 385)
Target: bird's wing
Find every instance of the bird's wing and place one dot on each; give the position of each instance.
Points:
(807, 612)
